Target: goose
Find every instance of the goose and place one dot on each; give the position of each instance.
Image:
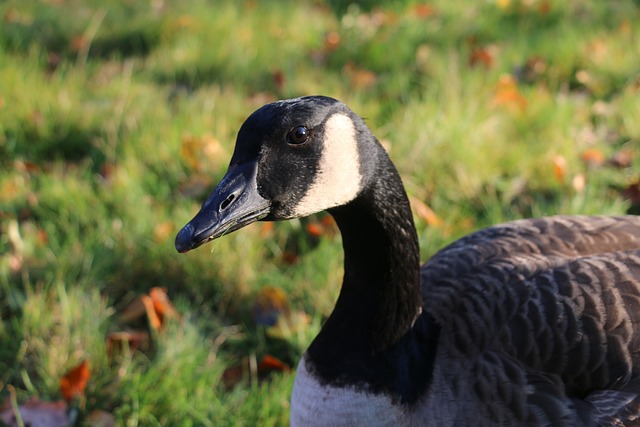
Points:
(534, 322)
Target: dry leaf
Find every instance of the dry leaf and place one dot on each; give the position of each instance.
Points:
(79, 43)
(152, 316)
(249, 368)
(190, 151)
(162, 231)
(11, 189)
(507, 94)
(266, 228)
(41, 237)
(632, 192)
(621, 159)
(544, 7)
(484, 56)
(270, 363)
(289, 325)
(597, 50)
(156, 306)
(290, 257)
(162, 304)
(278, 79)
(200, 152)
(593, 157)
(559, 167)
(73, 383)
(326, 226)
(425, 213)
(270, 304)
(314, 229)
(331, 41)
(133, 311)
(424, 10)
(360, 78)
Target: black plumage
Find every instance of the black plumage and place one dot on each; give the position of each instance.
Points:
(533, 322)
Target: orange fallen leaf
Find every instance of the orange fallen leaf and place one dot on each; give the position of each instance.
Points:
(198, 152)
(424, 10)
(360, 78)
(315, 229)
(162, 231)
(41, 237)
(597, 50)
(162, 304)
(248, 368)
(73, 383)
(184, 22)
(425, 213)
(544, 7)
(331, 41)
(78, 43)
(507, 93)
(189, 150)
(156, 306)
(593, 157)
(11, 189)
(484, 56)
(325, 226)
(266, 229)
(154, 320)
(559, 167)
(270, 363)
(269, 305)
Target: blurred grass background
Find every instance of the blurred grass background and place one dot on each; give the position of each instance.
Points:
(118, 117)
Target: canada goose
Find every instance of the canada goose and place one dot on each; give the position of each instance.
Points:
(530, 323)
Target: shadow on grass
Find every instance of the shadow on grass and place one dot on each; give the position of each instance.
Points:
(194, 76)
(60, 141)
(52, 30)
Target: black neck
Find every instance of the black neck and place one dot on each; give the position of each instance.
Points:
(380, 296)
(375, 336)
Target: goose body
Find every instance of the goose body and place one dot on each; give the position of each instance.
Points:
(529, 323)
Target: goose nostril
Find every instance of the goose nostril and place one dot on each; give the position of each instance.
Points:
(226, 202)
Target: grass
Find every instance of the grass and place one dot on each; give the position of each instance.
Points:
(117, 118)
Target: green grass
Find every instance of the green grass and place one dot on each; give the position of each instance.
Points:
(98, 101)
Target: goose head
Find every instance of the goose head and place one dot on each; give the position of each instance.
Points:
(292, 158)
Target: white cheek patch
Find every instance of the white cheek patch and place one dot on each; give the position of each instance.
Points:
(338, 176)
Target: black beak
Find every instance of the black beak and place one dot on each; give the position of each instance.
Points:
(233, 204)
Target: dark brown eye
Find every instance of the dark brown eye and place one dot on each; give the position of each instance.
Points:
(298, 135)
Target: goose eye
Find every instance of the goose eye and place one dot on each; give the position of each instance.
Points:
(298, 135)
